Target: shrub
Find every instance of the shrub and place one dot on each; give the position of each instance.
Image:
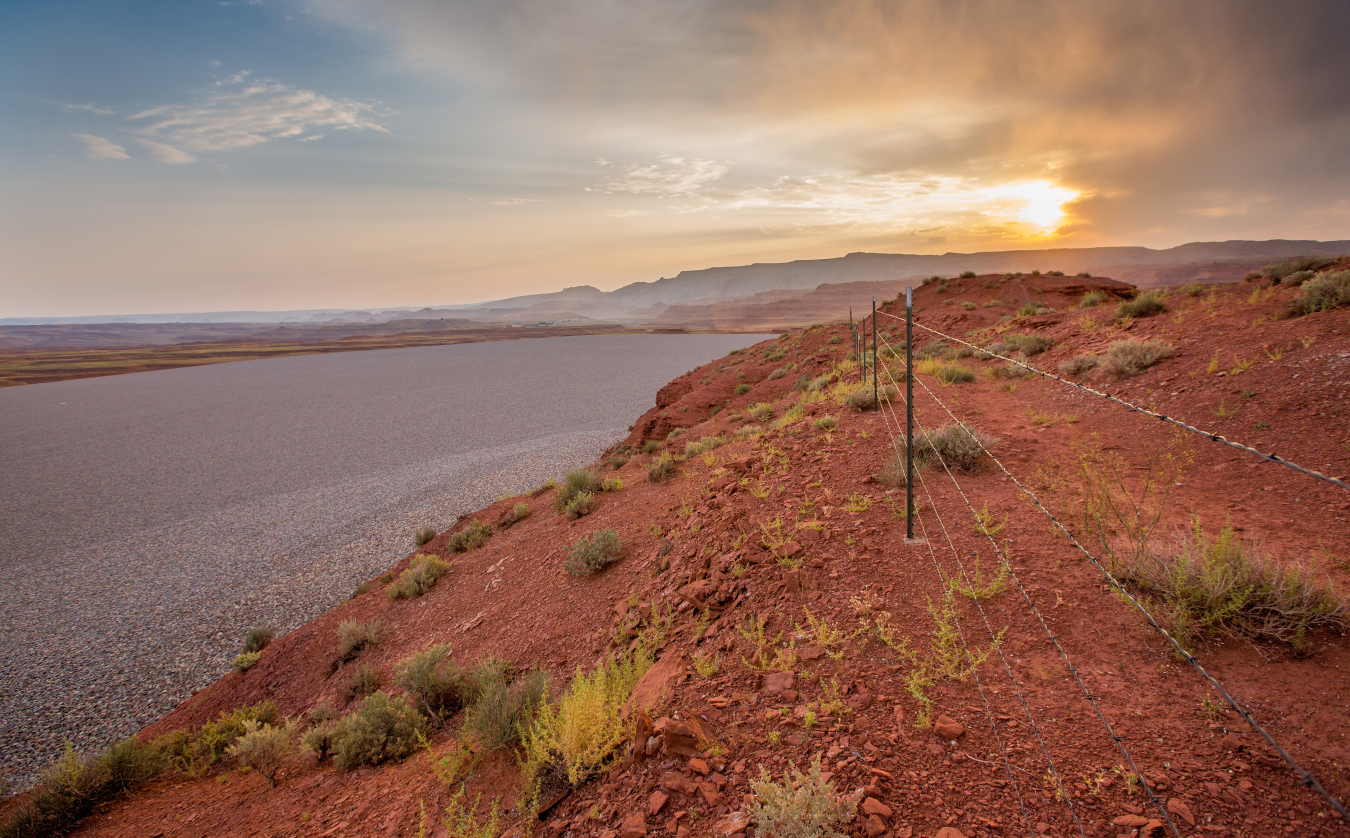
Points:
(500, 706)
(801, 806)
(1131, 357)
(932, 350)
(577, 482)
(760, 412)
(245, 661)
(952, 444)
(819, 383)
(419, 577)
(424, 535)
(353, 637)
(954, 373)
(263, 747)
(1144, 305)
(1092, 298)
(75, 786)
(1298, 264)
(521, 511)
(381, 729)
(195, 751)
(612, 484)
(969, 306)
(1192, 289)
(365, 680)
(461, 818)
(583, 503)
(747, 431)
(650, 446)
(434, 679)
(742, 389)
(258, 637)
(592, 553)
(826, 423)
(802, 383)
(930, 280)
(1085, 275)
(1297, 278)
(1323, 293)
(1078, 364)
(1008, 369)
(662, 469)
(1225, 585)
(967, 274)
(1027, 310)
(777, 374)
(834, 340)
(862, 397)
(1030, 344)
(474, 535)
(704, 445)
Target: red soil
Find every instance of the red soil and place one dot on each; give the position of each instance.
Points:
(511, 598)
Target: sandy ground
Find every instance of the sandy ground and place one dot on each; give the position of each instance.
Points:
(151, 518)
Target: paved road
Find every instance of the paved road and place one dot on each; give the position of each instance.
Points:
(150, 518)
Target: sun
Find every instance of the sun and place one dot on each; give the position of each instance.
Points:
(1037, 203)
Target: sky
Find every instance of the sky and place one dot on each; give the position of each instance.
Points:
(290, 154)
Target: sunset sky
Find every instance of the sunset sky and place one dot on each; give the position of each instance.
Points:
(286, 154)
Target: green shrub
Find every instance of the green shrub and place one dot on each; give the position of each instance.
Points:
(704, 445)
(969, 306)
(802, 383)
(1125, 358)
(258, 637)
(419, 577)
(1325, 292)
(74, 787)
(747, 431)
(663, 468)
(244, 662)
(195, 751)
(577, 482)
(474, 535)
(592, 553)
(521, 511)
(381, 729)
(1085, 275)
(826, 423)
(1078, 364)
(936, 349)
(1225, 585)
(650, 446)
(364, 681)
(760, 412)
(967, 274)
(777, 374)
(582, 503)
(1092, 298)
(1144, 305)
(263, 748)
(1192, 289)
(434, 679)
(1297, 278)
(959, 449)
(611, 484)
(742, 389)
(801, 806)
(1027, 310)
(862, 397)
(425, 535)
(1297, 264)
(502, 707)
(1029, 344)
(353, 637)
(818, 383)
(954, 374)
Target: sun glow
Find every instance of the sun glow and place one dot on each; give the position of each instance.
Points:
(1039, 203)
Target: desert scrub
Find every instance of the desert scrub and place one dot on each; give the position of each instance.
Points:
(742, 389)
(1144, 305)
(592, 553)
(825, 423)
(1322, 293)
(75, 786)
(612, 484)
(1078, 364)
(801, 806)
(760, 412)
(663, 468)
(951, 444)
(474, 535)
(1222, 584)
(500, 705)
(582, 503)
(704, 445)
(364, 681)
(246, 661)
(954, 374)
(381, 729)
(1029, 344)
(862, 397)
(424, 535)
(461, 818)
(521, 511)
(263, 748)
(577, 482)
(353, 637)
(258, 637)
(420, 577)
(651, 446)
(193, 752)
(1125, 358)
(1091, 299)
(434, 679)
(777, 374)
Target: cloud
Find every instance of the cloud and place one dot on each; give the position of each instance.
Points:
(85, 108)
(246, 113)
(512, 202)
(671, 177)
(628, 213)
(99, 148)
(165, 153)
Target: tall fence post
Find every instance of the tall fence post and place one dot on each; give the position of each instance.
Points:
(876, 360)
(909, 414)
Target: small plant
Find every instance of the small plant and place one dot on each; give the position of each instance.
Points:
(1078, 364)
(258, 637)
(582, 503)
(1092, 299)
(420, 577)
(500, 706)
(981, 587)
(857, 503)
(955, 374)
(1322, 293)
(662, 469)
(520, 512)
(263, 748)
(1125, 358)
(650, 446)
(75, 786)
(707, 665)
(760, 412)
(1028, 310)
(742, 389)
(777, 374)
(434, 679)
(353, 637)
(245, 661)
(577, 482)
(365, 681)
(612, 484)
(381, 729)
(862, 397)
(193, 752)
(984, 522)
(958, 448)
(474, 535)
(825, 423)
(453, 767)
(800, 806)
(425, 535)
(1144, 305)
(969, 306)
(593, 553)
(1029, 344)
(461, 819)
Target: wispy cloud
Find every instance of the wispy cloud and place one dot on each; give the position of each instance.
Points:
(253, 113)
(512, 202)
(671, 177)
(87, 107)
(101, 148)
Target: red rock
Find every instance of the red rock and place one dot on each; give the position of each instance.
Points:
(949, 832)
(679, 738)
(656, 684)
(872, 806)
(709, 793)
(875, 826)
(948, 728)
(779, 681)
(698, 766)
(1131, 821)
(810, 653)
(861, 701)
(634, 826)
(790, 550)
(1177, 806)
(671, 781)
(656, 803)
(733, 824)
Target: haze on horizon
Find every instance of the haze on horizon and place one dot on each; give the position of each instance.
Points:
(286, 154)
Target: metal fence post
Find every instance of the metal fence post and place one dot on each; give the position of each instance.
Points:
(909, 414)
(876, 403)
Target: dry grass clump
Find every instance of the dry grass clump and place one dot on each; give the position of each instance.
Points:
(825, 423)
(958, 448)
(704, 445)
(353, 637)
(434, 679)
(1226, 585)
(582, 503)
(501, 706)
(1092, 298)
(193, 752)
(1029, 344)
(760, 412)
(955, 374)
(473, 536)
(1125, 358)
(258, 637)
(381, 729)
(1323, 293)
(594, 552)
(263, 748)
(1144, 305)
(803, 805)
(425, 535)
(420, 577)
(246, 661)
(663, 468)
(75, 786)
(579, 482)
(1078, 364)
(862, 397)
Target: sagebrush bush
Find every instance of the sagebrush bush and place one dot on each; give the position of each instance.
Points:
(1144, 305)
(803, 805)
(75, 786)
(258, 637)
(650, 446)
(592, 553)
(246, 661)
(742, 389)
(958, 448)
(663, 468)
(581, 480)
(612, 484)
(1125, 358)
(419, 577)
(521, 511)
(474, 535)
(364, 681)
(933, 350)
(1323, 293)
(501, 706)
(954, 374)
(826, 423)
(760, 412)
(777, 374)
(263, 748)
(582, 503)
(1283, 269)
(434, 679)
(1029, 344)
(704, 445)
(1078, 364)
(1222, 584)
(747, 431)
(381, 729)
(862, 397)
(425, 535)
(192, 752)
(353, 637)
(1027, 310)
